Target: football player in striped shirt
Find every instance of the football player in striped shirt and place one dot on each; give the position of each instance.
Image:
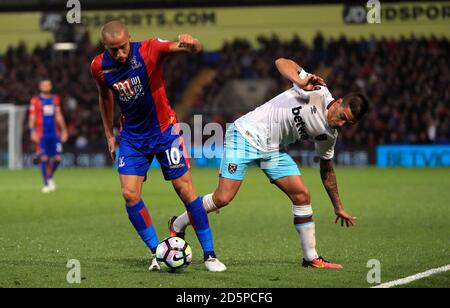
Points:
(48, 131)
(130, 75)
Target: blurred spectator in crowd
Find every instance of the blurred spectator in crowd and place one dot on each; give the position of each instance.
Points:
(407, 81)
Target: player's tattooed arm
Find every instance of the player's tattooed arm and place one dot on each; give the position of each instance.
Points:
(330, 183)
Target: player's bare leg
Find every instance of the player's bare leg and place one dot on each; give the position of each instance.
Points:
(294, 187)
(185, 188)
(225, 193)
(138, 213)
(131, 186)
(188, 194)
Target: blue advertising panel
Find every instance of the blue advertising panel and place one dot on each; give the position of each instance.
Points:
(413, 156)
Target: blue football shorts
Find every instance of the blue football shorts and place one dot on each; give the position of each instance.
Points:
(239, 154)
(136, 155)
(49, 146)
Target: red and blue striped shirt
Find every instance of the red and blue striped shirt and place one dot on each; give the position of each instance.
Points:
(44, 110)
(138, 87)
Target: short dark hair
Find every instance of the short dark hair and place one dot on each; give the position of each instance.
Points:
(359, 104)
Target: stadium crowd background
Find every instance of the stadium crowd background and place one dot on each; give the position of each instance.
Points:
(407, 81)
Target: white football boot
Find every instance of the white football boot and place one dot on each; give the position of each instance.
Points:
(214, 265)
(46, 189)
(154, 267)
(51, 185)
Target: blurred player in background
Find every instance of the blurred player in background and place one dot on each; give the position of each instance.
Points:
(305, 112)
(48, 130)
(130, 74)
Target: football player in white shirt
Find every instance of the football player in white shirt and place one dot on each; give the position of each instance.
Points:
(305, 112)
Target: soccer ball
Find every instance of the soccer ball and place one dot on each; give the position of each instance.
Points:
(174, 254)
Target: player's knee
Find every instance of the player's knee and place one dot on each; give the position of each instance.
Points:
(302, 197)
(131, 196)
(44, 158)
(222, 200)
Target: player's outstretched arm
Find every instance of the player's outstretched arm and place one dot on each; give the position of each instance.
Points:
(289, 70)
(106, 105)
(186, 43)
(330, 183)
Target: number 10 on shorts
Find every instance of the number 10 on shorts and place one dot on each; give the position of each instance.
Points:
(173, 156)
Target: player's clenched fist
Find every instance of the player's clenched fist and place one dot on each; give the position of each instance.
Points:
(188, 42)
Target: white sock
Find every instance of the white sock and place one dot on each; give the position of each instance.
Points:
(181, 223)
(306, 229)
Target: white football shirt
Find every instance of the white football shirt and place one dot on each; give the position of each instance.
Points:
(292, 116)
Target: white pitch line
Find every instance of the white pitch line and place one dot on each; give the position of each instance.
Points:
(412, 278)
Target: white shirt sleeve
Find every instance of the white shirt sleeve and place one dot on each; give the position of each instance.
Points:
(325, 149)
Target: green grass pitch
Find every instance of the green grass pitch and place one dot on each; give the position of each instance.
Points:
(403, 221)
